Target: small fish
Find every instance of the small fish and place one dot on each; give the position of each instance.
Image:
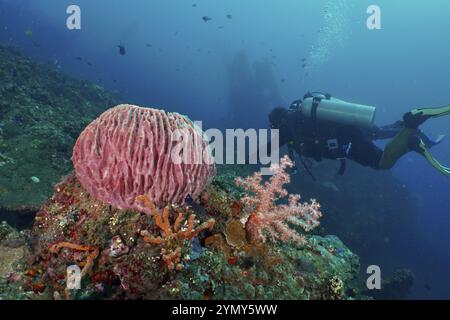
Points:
(229, 16)
(188, 200)
(79, 58)
(427, 287)
(330, 185)
(303, 59)
(206, 18)
(148, 45)
(304, 65)
(122, 50)
(56, 63)
(194, 5)
(89, 64)
(220, 27)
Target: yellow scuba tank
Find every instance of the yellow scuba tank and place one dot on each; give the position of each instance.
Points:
(323, 107)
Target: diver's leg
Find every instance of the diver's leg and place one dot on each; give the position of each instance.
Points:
(387, 132)
(390, 131)
(396, 148)
(361, 148)
(409, 140)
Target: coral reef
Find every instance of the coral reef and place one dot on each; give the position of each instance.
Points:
(150, 247)
(266, 218)
(131, 253)
(130, 151)
(135, 255)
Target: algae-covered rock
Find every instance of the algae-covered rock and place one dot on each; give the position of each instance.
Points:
(278, 271)
(42, 112)
(396, 287)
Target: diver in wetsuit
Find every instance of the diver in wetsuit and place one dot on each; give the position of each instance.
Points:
(320, 126)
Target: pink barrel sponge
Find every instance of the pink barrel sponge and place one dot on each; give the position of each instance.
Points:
(131, 151)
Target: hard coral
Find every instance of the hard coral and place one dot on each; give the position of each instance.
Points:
(130, 151)
(269, 220)
(172, 237)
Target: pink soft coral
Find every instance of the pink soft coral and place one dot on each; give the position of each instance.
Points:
(269, 220)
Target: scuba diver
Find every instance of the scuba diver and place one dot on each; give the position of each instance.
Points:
(321, 126)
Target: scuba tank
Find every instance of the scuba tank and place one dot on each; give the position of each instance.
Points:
(323, 107)
(318, 106)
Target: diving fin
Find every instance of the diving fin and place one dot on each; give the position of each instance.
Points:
(419, 146)
(433, 112)
(416, 117)
(430, 143)
(410, 138)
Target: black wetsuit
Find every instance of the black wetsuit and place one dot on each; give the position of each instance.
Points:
(323, 139)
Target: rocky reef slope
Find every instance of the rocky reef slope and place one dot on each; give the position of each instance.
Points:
(42, 112)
